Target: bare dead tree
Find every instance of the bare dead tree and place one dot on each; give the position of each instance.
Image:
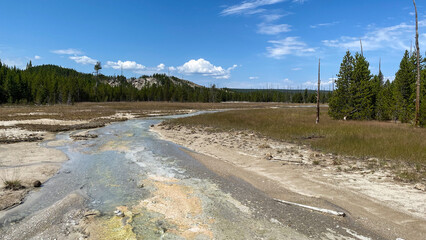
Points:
(360, 43)
(417, 120)
(318, 92)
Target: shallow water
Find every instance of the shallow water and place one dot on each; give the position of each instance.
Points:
(180, 198)
(106, 169)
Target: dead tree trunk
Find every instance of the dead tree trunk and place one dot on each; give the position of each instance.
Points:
(318, 92)
(417, 120)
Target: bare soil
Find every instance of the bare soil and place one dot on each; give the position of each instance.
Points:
(370, 195)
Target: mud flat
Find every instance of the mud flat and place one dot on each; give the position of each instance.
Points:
(296, 173)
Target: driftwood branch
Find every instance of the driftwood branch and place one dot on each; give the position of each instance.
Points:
(323, 210)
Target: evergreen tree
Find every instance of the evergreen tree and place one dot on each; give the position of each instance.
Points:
(360, 89)
(384, 106)
(305, 96)
(29, 65)
(97, 67)
(339, 102)
(403, 88)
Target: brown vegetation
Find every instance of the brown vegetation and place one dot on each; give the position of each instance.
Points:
(88, 110)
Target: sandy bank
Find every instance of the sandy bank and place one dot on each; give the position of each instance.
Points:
(296, 173)
(26, 162)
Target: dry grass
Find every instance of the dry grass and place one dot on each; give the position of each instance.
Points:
(11, 180)
(398, 142)
(88, 111)
(13, 184)
(97, 115)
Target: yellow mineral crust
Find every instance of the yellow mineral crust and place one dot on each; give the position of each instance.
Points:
(179, 206)
(115, 228)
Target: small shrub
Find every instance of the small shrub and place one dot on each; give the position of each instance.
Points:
(13, 184)
(316, 162)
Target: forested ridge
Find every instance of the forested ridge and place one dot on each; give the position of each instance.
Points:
(362, 96)
(51, 84)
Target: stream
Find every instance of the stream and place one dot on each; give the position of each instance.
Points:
(170, 195)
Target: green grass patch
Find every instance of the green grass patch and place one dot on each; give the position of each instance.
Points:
(384, 140)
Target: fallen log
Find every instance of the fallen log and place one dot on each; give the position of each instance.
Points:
(323, 210)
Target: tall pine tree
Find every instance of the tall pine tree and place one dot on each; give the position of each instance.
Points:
(404, 88)
(360, 89)
(339, 102)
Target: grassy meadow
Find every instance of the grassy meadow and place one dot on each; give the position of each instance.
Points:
(389, 141)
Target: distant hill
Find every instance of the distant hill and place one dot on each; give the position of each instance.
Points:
(149, 81)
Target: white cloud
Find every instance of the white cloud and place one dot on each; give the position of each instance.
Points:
(249, 7)
(273, 29)
(83, 60)
(296, 69)
(37, 57)
(286, 80)
(172, 68)
(315, 83)
(253, 78)
(69, 51)
(126, 65)
(161, 67)
(395, 37)
(288, 46)
(205, 68)
(324, 24)
(390, 78)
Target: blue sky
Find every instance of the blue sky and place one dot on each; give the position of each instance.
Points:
(240, 44)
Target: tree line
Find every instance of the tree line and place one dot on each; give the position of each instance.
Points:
(51, 84)
(363, 96)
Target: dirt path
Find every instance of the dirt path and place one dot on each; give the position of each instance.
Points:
(296, 173)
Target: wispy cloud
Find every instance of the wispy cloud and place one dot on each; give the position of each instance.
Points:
(249, 7)
(324, 24)
(273, 29)
(69, 51)
(205, 68)
(13, 62)
(272, 17)
(37, 57)
(394, 37)
(83, 60)
(253, 78)
(288, 46)
(296, 69)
